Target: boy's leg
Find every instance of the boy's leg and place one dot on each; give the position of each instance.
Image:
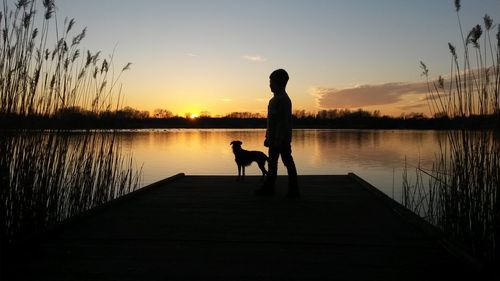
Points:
(286, 157)
(268, 187)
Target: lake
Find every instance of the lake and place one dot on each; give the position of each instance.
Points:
(378, 156)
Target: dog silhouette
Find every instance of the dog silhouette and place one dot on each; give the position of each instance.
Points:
(245, 158)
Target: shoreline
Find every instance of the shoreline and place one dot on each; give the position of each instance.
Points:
(489, 122)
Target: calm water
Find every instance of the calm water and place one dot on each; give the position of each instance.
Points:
(376, 155)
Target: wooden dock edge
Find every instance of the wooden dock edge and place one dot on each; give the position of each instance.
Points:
(451, 246)
(38, 236)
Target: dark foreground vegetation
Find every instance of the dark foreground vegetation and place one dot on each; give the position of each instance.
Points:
(460, 193)
(50, 175)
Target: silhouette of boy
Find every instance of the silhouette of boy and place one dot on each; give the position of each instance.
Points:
(279, 136)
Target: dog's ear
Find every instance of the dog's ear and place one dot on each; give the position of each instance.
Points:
(232, 142)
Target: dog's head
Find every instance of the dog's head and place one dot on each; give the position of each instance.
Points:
(236, 144)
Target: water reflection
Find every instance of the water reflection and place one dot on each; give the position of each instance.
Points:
(376, 155)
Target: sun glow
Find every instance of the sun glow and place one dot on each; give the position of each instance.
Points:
(193, 116)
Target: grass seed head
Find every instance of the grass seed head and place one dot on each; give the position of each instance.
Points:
(457, 5)
(425, 70)
(34, 33)
(22, 3)
(127, 67)
(498, 37)
(453, 50)
(488, 22)
(474, 35)
(27, 19)
(70, 25)
(441, 82)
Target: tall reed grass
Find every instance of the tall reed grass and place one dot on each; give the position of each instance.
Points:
(49, 175)
(53, 176)
(461, 192)
(39, 78)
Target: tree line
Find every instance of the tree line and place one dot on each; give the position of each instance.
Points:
(128, 117)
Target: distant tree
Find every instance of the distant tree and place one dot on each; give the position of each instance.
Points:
(322, 114)
(72, 112)
(361, 113)
(413, 115)
(162, 113)
(341, 113)
(131, 113)
(332, 113)
(205, 114)
(299, 113)
(243, 115)
(440, 114)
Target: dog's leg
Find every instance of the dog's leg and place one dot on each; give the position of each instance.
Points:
(239, 173)
(263, 169)
(243, 177)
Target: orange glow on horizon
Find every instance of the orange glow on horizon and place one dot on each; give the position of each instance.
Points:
(214, 107)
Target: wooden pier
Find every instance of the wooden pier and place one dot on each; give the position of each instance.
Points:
(214, 228)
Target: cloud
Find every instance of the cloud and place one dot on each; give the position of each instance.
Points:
(254, 58)
(413, 106)
(436, 97)
(396, 96)
(367, 95)
(192, 55)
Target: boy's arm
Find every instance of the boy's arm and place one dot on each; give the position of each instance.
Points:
(266, 140)
(281, 122)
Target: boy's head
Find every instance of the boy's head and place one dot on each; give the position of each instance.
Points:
(278, 80)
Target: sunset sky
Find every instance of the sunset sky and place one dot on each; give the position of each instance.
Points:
(216, 56)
